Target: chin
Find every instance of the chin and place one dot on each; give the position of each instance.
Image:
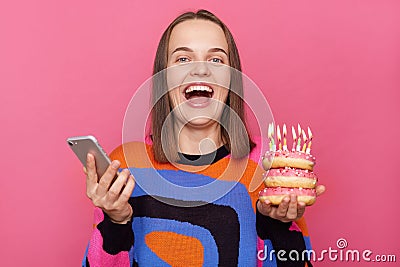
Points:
(201, 117)
(201, 122)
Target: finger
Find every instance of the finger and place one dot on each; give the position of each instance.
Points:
(127, 191)
(291, 213)
(264, 207)
(115, 189)
(301, 208)
(91, 176)
(320, 189)
(107, 178)
(283, 207)
(85, 170)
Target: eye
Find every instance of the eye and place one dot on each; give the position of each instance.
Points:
(182, 59)
(216, 60)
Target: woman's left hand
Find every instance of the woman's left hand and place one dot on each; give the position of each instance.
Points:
(289, 209)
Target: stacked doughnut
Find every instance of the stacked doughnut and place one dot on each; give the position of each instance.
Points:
(289, 172)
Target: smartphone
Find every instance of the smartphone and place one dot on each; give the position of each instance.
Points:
(82, 145)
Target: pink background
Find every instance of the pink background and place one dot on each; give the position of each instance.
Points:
(71, 67)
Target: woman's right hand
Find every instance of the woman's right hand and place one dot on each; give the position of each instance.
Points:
(111, 196)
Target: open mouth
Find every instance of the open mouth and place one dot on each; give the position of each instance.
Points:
(198, 91)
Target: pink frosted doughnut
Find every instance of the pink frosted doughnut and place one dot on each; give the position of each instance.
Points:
(290, 177)
(293, 159)
(276, 194)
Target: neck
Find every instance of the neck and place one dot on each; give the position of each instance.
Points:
(199, 141)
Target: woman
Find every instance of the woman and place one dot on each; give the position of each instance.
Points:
(195, 134)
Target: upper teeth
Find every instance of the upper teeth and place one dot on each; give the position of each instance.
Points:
(198, 88)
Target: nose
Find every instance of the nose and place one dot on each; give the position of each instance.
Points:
(200, 68)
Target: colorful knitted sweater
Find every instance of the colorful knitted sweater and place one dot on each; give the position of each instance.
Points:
(197, 230)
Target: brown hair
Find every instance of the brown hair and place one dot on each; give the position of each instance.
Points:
(161, 107)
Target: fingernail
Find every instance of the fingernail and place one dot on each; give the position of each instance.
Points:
(88, 157)
(115, 164)
(267, 202)
(286, 199)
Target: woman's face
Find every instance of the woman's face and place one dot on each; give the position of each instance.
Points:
(198, 73)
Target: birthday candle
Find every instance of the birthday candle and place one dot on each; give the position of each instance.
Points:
(294, 139)
(270, 137)
(284, 137)
(278, 134)
(305, 141)
(298, 138)
(310, 136)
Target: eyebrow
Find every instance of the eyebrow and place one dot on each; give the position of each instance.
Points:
(187, 49)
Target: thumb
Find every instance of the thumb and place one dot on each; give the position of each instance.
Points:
(320, 189)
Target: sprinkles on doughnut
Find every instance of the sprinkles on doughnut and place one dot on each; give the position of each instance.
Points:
(290, 177)
(294, 159)
(289, 172)
(276, 194)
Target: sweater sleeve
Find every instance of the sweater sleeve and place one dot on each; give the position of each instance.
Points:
(284, 244)
(109, 244)
(116, 237)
